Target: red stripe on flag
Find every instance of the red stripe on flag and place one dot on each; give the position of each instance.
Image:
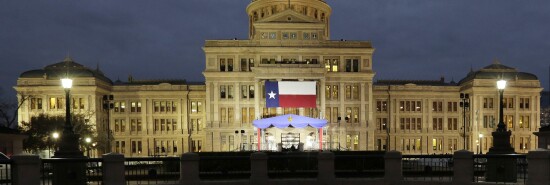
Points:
(298, 101)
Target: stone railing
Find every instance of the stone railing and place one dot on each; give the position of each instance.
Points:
(26, 170)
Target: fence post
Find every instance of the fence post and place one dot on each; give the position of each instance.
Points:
(538, 168)
(463, 167)
(189, 168)
(325, 168)
(26, 170)
(258, 168)
(393, 169)
(113, 169)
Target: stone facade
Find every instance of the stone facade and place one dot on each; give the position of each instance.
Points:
(289, 41)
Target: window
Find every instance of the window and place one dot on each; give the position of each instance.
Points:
(452, 106)
(381, 123)
(437, 124)
(381, 106)
(136, 147)
(352, 65)
(78, 103)
(524, 144)
(437, 144)
(36, 103)
(509, 121)
(120, 125)
(120, 106)
(331, 65)
(226, 64)
(452, 124)
(508, 103)
(524, 103)
(226, 91)
(311, 60)
(285, 35)
(487, 103)
(247, 64)
(411, 124)
(306, 36)
(410, 106)
(247, 91)
(196, 106)
(437, 106)
(452, 144)
(411, 144)
(165, 106)
(313, 36)
(524, 121)
(57, 103)
(135, 106)
(352, 92)
(488, 121)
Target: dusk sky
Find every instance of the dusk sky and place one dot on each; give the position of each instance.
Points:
(162, 39)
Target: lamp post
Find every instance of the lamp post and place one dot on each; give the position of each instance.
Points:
(480, 144)
(501, 170)
(55, 135)
(69, 148)
(88, 141)
(465, 104)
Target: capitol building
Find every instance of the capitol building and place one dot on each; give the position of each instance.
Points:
(289, 42)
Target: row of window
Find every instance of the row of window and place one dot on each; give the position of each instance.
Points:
(351, 115)
(289, 35)
(57, 103)
(331, 64)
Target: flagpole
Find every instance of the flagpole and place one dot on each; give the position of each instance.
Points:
(259, 138)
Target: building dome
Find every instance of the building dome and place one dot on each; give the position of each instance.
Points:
(259, 10)
(498, 71)
(64, 68)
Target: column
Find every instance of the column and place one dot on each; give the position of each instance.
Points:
(257, 97)
(25, 170)
(463, 167)
(393, 167)
(323, 99)
(189, 168)
(258, 168)
(538, 168)
(113, 168)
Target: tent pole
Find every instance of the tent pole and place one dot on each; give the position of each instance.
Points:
(259, 137)
(321, 139)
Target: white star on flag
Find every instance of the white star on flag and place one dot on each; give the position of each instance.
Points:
(271, 95)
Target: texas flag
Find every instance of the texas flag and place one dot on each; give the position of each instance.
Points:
(290, 94)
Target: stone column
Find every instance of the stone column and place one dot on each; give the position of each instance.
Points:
(257, 98)
(325, 172)
(113, 169)
(25, 170)
(393, 167)
(258, 168)
(539, 167)
(189, 168)
(463, 167)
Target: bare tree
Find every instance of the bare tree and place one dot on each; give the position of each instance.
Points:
(9, 110)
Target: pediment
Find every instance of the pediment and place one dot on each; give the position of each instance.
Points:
(289, 16)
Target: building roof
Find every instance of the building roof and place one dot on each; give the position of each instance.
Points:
(498, 71)
(67, 67)
(440, 82)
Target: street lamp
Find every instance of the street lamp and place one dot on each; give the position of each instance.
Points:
(465, 104)
(480, 144)
(55, 135)
(69, 140)
(68, 146)
(88, 141)
(501, 85)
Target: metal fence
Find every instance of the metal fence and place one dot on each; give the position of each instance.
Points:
(292, 165)
(5, 172)
(509, 168)
(359, 166)
(216, 167)
(428, 167)
(156, 170)
(93, 169)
